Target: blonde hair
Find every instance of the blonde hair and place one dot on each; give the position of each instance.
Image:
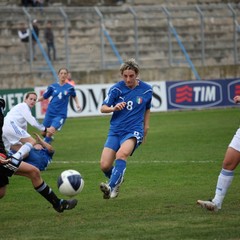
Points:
(130, 64)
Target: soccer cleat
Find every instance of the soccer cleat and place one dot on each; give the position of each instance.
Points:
(66, 205)
(115, 190)
(104, 187)
(209, 205)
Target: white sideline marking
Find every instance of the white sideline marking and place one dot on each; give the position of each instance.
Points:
(137, 162)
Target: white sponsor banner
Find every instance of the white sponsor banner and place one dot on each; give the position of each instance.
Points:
(91, 97)
(159, 100)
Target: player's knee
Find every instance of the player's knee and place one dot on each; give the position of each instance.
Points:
(34, 174)
(122, 155)
(229, 166)
(230, 163)
(32, 141)
(105, 166)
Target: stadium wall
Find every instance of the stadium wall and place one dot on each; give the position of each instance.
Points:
(28, 80)
(213, 51)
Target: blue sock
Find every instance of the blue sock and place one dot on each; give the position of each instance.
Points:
(117, 172)
(108, 173)
(48, 139)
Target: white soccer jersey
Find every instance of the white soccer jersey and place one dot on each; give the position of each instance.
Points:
(21, 115)
(15, 124)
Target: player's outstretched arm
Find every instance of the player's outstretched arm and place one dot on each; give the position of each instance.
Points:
(43, 143)
(77, 104)
(146, 123)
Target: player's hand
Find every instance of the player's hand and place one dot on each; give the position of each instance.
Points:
(38, 138)
(120, 106)
(50, 130)
(4, 161)
(236, 99)
(79, 109)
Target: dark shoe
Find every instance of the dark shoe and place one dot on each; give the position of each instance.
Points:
(66, 205)
(104, 187)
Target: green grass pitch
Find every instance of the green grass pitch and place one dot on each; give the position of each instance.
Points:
(178, 164)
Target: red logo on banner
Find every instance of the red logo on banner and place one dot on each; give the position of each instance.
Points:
(184, 94)
(237, 89)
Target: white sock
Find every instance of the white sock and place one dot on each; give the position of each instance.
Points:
(24, 149)
(224, 181)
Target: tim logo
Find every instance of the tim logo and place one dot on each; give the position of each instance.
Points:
(233, 90)
(194, 94)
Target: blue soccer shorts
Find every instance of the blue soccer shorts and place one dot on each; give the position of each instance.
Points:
(56, 122)
(114, 141)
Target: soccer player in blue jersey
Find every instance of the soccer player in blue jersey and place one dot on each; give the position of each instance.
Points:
(57, 109)
(130, 101)
(40, 155)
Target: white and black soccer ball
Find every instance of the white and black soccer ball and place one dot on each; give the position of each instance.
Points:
(70, 183)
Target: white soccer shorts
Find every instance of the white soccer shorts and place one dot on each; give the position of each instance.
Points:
(235, 143)
(12, 134)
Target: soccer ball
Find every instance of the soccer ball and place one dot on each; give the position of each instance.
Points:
(70, 183)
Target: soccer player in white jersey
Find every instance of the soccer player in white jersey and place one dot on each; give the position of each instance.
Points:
(230, 162)
(56, 114)
(15, 126)
(130, 101)
(10, 166)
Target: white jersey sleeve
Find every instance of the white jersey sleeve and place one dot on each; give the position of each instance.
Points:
(31, 119)
(21, 115)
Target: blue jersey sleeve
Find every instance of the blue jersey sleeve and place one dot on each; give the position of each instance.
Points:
(72, 91)
(149, 98)
(113, 96)
(48, 92)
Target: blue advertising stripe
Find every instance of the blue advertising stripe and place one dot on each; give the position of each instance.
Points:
(202, 94)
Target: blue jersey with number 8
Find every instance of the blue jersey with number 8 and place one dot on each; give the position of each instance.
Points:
(138, 100)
